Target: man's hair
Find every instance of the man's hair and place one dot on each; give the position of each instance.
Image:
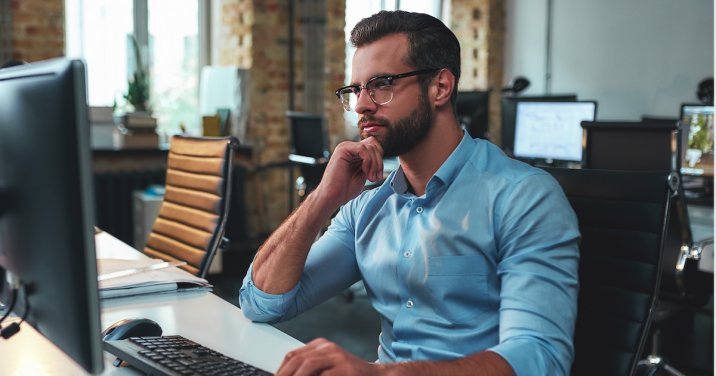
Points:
(430, 43)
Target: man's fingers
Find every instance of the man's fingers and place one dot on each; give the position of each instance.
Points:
(372, 156)
(309, 359)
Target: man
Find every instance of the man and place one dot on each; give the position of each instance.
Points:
(469, 257)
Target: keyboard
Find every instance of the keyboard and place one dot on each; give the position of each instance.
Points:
(176, 355)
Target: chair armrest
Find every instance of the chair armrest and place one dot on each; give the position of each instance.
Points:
(692, 253)
(698, 247)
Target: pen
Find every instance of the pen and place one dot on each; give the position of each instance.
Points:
(126, 272)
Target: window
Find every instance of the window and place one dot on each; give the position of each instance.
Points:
(170, 42)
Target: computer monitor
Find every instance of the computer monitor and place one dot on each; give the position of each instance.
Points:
(551, 132)
(308, 137)
(697, 123)
(46, 205)
(473, 112)
(508, 112)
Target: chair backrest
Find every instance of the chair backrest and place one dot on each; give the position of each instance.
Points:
(623, 145)
(652, 144)
(623, 216)
(192, 218)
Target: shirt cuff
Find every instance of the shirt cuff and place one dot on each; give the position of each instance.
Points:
(525, 358)
(258, 305)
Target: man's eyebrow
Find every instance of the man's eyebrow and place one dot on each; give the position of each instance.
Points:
(372, 77)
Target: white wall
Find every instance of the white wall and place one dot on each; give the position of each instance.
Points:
(635, 57)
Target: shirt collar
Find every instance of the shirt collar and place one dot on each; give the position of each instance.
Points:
(446, 173)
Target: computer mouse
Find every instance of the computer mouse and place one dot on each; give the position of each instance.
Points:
(127, 328)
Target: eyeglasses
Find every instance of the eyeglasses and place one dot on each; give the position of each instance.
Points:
(380, 89)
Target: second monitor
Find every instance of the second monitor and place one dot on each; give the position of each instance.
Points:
(472, 112)
(551, 132)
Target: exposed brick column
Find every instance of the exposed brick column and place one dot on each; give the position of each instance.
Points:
(335, 58)
(234, 41)
(38, 29)
(479, 25)
(254, 35)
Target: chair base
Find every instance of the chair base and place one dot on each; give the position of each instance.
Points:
(655, 366)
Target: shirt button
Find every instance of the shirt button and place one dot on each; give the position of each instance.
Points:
(407, 254)
(419, 209)
(409, 304)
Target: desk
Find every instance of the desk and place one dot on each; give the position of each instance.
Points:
(199, 316)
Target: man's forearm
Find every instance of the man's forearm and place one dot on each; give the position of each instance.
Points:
(485, 363)
(279, 263)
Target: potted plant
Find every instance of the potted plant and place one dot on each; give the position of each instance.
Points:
(138, 85)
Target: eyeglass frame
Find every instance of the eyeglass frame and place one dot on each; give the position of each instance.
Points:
(392, 77)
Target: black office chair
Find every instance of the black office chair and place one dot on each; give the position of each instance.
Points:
(309, 151)
(623, 218)
(655, 144)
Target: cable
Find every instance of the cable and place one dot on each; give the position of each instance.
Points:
(13, 298)
(14, 327)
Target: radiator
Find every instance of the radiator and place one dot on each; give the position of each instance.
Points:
(113, 199)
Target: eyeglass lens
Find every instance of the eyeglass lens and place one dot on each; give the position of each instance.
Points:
(380, 90)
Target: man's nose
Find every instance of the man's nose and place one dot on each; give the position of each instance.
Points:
(364, 103)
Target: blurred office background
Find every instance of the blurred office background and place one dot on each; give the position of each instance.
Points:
(635, 59)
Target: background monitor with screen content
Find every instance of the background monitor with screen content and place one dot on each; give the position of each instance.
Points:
(508, 112)
(697, 122)
(551, 132)
(46, 206)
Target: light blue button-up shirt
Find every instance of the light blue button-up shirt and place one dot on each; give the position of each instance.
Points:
(486, 259)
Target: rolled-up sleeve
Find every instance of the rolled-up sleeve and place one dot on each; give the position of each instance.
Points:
(539, 257)
(261, 306)
(330, 268)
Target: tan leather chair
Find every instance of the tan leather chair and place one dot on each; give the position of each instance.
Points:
(192, 217)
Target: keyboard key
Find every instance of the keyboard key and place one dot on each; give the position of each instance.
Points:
(176, 355)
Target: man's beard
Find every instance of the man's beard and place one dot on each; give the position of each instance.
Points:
(404, 134)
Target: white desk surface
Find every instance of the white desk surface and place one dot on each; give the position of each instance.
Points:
(199, 316)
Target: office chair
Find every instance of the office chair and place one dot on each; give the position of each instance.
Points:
(192, 217)
(655, 144)
(309, 151)
(623, 216)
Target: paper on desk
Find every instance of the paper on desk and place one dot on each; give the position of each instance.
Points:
(149, 282)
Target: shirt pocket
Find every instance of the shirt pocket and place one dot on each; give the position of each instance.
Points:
(457, 288)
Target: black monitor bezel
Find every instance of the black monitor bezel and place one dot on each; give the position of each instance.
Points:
(304, 125)
(47, 231)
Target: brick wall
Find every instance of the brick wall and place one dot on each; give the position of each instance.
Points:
(479, 25)
(254, 35)
(38, 29)
(234, 41)
(335, 68)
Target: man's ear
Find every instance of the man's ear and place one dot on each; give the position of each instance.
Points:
(443, 86)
